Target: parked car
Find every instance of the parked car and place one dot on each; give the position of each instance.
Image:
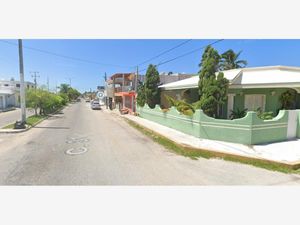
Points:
(95, 105)
(87, 100)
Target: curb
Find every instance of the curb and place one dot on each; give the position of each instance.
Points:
(12, 131)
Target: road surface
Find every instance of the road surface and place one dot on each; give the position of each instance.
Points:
(12, 116)
(85, 147)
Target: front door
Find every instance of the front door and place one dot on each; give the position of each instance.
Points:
(255, 101)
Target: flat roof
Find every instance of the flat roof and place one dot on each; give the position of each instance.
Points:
(252, 77)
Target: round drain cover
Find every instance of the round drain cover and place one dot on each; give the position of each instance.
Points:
(77, 151)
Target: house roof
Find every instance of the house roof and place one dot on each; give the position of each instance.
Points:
(6, 91)
(255, 77)
(165, 79)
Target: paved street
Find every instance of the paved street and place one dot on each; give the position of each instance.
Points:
(12, 116)
(113, 153)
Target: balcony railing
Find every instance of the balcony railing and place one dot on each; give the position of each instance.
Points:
(123, 89)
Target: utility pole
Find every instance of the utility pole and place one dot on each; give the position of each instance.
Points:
(136, 78)
(70, 80)
(135, 88)
(34, 75)
(22, 85)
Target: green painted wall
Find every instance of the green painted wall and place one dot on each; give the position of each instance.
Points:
(173, 119)
(264, 131)
(226, 130)
(298, 101)
(272, 102)
(247, 130)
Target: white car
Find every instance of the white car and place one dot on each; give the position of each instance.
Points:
(95, 105)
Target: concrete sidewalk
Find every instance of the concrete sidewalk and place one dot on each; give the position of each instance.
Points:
(287, 152)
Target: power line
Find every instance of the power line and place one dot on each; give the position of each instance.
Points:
(185, 54)
(65, 56)
(164, 52)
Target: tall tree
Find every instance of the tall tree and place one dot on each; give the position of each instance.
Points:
(151, 86)
(64, 88)
(230, 60)
(72, 93)
(212, 88)
(141, 98)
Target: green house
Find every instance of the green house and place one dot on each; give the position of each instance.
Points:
(249, 88)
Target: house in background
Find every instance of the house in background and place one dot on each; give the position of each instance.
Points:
(169, 77)
(10, 93)
(249, 88)
(120, 88)
(120, 91)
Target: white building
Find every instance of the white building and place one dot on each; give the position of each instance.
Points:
(10, 93)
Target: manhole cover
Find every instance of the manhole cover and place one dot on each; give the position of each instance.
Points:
(76, 151)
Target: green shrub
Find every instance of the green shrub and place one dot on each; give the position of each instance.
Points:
(45, 101)
(264, 115)
(287, 100)
(181, 106)
(236, 114)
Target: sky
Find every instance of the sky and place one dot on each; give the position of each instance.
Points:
(123, 55)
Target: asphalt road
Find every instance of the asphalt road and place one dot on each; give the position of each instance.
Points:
(112, 153)
(12, 116)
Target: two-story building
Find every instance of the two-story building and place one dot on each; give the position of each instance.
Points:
(10, 93)
(121, 91)
(120, 88)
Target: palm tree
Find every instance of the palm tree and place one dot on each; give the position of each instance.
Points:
(287, 100)
(230, 60)
(64, 88)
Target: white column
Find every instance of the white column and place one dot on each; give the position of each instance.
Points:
(230, 103)
(292, 123)
(4, 101)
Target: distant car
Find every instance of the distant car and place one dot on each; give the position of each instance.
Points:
(87, 100)
(95, 105)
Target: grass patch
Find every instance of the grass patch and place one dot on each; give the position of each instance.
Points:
(31, 121)
(9, 126)
(194, 153)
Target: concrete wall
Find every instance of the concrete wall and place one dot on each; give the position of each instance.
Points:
(247, 130)
(173, 119)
